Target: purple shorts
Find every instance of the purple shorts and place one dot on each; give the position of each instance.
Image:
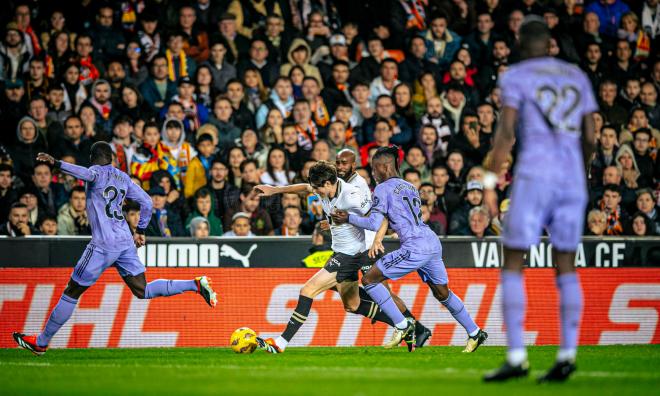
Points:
(401, 262)
(95, 260)
(536, 206)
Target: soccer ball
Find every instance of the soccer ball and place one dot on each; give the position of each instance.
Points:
(243, 340)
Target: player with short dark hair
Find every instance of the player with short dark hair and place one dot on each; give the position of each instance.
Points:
(348, 245)
(112, 244)
(549, 102)
(420, 249)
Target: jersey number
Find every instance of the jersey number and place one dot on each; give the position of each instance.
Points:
(413, 204)
(567, 98)
(111, 193)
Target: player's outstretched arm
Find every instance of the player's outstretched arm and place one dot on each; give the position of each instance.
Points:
(377, 247)
(76, 171)
(371, 222)
(504, 140)
(264, 190)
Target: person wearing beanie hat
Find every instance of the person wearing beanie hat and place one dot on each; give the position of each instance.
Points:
(173, 136)
(202, 206)
(14, 54)
(152, 155)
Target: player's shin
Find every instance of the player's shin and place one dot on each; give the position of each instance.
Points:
(168, 287)
(62, 312)
(513, 309)
(570, 295)
(297, 319)
(370, 310)
(458, 311)
(382, 297)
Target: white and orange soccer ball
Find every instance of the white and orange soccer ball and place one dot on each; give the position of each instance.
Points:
(243, 340)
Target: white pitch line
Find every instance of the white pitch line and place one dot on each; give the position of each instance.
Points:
(341, 371)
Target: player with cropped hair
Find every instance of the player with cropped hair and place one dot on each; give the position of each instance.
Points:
(113, 244)
(396, 202)
(348, 245)
(549, 102)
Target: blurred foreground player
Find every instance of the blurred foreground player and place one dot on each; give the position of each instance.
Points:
(551, 101)
(112, 244)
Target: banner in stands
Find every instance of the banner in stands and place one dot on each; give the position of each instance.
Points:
(621, 307)
(277, 252)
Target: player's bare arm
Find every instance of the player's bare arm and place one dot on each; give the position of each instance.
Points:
(588, 139)
(377, 247)
(504, 140)
(264, 190)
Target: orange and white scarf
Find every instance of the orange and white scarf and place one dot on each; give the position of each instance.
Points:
(183, 65)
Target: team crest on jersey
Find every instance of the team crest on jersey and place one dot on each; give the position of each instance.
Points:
(374, 201)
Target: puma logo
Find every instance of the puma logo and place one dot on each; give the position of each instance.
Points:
(228, 251)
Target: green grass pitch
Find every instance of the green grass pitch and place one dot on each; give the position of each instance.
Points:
(611, 370)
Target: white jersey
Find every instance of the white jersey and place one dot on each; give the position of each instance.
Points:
(347, 238)
(359, 182)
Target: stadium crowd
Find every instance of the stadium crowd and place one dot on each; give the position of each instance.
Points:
(202, 100)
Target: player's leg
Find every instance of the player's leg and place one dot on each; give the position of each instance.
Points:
(434, 274)
(320, 282)
(351, 298)
(565, 233)
(422, 333)
(88, 269)
(132, 271)
(393, 265)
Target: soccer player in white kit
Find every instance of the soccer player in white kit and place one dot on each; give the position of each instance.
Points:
(348, 244)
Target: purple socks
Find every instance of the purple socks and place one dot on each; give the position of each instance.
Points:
(570, 304)
(457, 310)
(382, 297)
(62, 312)
(166, 287)
(513, 308)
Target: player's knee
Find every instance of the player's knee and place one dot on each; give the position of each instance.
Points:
(351, 307)
(138, 292)
(441, 292)
(308, 291)
(74, 290)
(367, 279)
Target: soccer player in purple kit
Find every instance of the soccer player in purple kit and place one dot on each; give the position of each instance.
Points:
(396, 201)
(112, 244)
(549, 103)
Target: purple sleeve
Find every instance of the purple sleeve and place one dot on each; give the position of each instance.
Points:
(79, 172)
(378, 211)
(512, 95)
(137, 194)
(371, 222)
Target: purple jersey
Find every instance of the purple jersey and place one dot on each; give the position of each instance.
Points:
(107, 187)
(400, 202)
(552, 97)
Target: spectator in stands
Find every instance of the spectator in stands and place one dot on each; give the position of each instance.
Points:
(152, 156)
(104, 110)
(416, 61)
(291, 223)
(300, 54)
(277, 169)
(337, 141)
(260, 221)
(609, 13)
(240, 226)
(460, 220)
(259, 60)
(48, 225)
(72, 217)
(73, 142)
(415, 159)
(221, 118)
(173, 136)
(199, 227)
(200, 166)
(605, 153)
(203, 206)
(382, 135)
(434, 146)
(457, 171)
(8, 194)
(164, 222)
(435, 215)
(195, 41)
(14, 54)
(479, 219)
(441, 42)
(593, 64)
(37, 81)
(29, 143)
(18, 224)
(641, 226)
(56, 109)
(281, 97)
(413, 177)
(644, 156)
(613, 112)
(225, 195)
(178, 63)
(385, 110)
(617, 218)
(453, 102)
(649, 209)
(446, 199)
(625, 158)
(596, 223)
(639, 119)
(470, 141)
(386, 81)
(158, 89)
(648, 97)
(220, 68)
(51, 196)
(253, 148)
